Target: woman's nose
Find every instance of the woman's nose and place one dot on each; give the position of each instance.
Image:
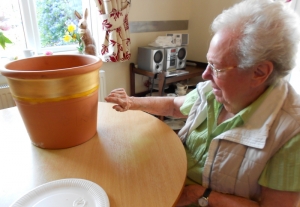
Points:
(207, 74)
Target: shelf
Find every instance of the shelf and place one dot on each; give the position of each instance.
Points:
(194, 71)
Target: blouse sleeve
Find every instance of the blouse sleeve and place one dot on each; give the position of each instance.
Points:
(282, 170)
(190, 99)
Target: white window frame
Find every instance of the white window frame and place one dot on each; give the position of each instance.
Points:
(32, 38)
(296, 6)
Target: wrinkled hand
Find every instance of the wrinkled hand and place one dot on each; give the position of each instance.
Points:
(119, 97)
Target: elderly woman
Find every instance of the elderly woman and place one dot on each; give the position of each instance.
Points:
(242, 135)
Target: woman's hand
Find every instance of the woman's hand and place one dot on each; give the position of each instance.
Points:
(161, 106)
(119, 97)
(269, 198)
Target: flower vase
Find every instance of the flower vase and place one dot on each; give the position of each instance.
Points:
(57, 97)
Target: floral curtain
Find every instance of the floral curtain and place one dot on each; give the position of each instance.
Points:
(115, 44)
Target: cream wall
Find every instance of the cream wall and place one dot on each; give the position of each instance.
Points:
(200, 14)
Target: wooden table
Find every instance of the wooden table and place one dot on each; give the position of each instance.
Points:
(136, 158)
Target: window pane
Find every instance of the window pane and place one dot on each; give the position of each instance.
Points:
(53, 17)
(11, 23)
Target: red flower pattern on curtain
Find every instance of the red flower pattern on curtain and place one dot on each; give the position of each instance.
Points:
(115, 41)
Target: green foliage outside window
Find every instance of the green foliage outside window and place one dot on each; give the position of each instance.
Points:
(53, 17)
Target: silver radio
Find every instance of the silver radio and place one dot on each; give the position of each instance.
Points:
(170, 58)
(151, 59)
(156, 59)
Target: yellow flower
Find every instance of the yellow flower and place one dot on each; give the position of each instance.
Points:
(67, 37)
(71, 28)
(71, 35)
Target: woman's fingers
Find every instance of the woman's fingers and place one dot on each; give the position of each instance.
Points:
(119, 97)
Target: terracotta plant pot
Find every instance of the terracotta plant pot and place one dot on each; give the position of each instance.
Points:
(57, 97)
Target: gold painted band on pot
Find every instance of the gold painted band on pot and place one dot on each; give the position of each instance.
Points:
(58, 89)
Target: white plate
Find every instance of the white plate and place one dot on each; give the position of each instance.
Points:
(175, 124)
(64, 193)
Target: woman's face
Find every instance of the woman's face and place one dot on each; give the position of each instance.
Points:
(231, 87)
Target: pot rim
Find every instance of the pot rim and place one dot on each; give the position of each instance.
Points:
(96, 63)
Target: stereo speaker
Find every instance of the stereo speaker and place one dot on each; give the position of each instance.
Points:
(151, 59)
(181, 53)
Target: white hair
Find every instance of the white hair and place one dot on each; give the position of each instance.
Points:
(265, 30)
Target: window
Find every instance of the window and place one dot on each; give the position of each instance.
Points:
(40, 24)
(10, 16)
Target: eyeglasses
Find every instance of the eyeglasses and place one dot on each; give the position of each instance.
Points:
(218, 72)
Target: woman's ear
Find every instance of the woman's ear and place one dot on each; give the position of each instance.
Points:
(261, 72)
